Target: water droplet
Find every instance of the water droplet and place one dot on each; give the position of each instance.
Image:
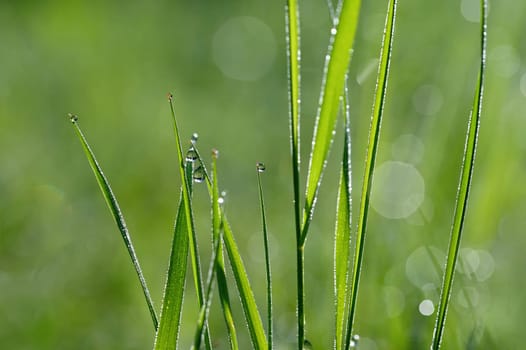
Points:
(199, 174)
(191, 155)
(426, 307)
(334, 31)
(356, 339)
(215, 153)
(194, 138)
(73, 117)
(307, 345)
(260, 167)
(170, 96)
(221, 200)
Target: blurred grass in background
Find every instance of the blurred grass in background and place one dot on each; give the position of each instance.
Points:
(65, 278)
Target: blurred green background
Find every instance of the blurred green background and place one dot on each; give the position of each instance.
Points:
(65, 278)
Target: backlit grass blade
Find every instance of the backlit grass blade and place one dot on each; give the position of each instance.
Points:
(252, 316)
(260, 167)
(192, 237)
(332, 88)
(374, 133)
(468, 163)
(342, 240)
(168, 332)
(220, 265)
(117, 214)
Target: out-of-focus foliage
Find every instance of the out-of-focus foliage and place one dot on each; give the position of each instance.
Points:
(65, 278)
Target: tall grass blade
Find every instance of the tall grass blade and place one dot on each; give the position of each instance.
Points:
(332, 88)
(260, 167)
(117, 214)
(374, 133)
(192, 237)
(220, 264)
(171, 309)
(468, 163)
(342, 240)
(252, 316)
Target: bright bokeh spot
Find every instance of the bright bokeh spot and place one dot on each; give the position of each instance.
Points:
(426, 307)
(422, 266)
(244, 48)
(408, 148)
(398, 190)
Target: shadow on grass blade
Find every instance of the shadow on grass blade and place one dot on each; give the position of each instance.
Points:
(468, 163)
(117, 214)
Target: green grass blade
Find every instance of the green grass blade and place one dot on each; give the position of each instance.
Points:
(332, 88)
(117, 215)
(342, 240)
(168, 331)
(260, 167)
(374, 133)
(220, 265)
(468, 163)
(192, 237)
(252, 316)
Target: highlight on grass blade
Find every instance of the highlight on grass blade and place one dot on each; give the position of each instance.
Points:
(113, 205)
(468, 162)
(374, 133)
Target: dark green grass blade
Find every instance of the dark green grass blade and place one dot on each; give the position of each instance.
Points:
(252, 316)
(332, 89)
(220, 265)
(259, 169)
(342, 240)
(168, 332)
(205, 309)
(117, 215)
(374, 133)
(192, 237)
(468, 163)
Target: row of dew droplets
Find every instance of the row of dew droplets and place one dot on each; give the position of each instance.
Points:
(198, 174)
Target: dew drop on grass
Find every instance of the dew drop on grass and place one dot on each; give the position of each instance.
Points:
(260, 167)
(194, 138)
(334, 31)
(199, 174)
(191, 155)
(307, 345)
(73, 117)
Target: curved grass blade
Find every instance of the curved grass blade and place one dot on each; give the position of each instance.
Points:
(332, 88)
(252, 316)
(374, 133)
(342, 240)
(260, 167)
(220, 264)
(113, 205)
(192, 237)
(168, 331)
(468, 163)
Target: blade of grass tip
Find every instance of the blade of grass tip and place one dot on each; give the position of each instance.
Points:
(252, 316)
(294, 79)
(171, 309)
(468, 163)
(220, 265)
(342, 240)
(113, 205)
(192, 237)
(260, 167)
(374, 133)
(205, 308)
(336, 65)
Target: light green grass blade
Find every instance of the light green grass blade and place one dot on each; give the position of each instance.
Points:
(374, 133)
(168, 331)
(260, 167)
(252, 316)
(332, 88)
(342, 239)
(220, 265)
(192, 237)
(117, 214)
(468, 163)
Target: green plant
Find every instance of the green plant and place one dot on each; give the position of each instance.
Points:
(333, 99)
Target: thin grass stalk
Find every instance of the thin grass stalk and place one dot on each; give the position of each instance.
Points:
(468, 162)
(374, 133)
(294, 79)
(342, 239)
(114, 207)
(192, 237)
(220, 264)
(260, 167)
